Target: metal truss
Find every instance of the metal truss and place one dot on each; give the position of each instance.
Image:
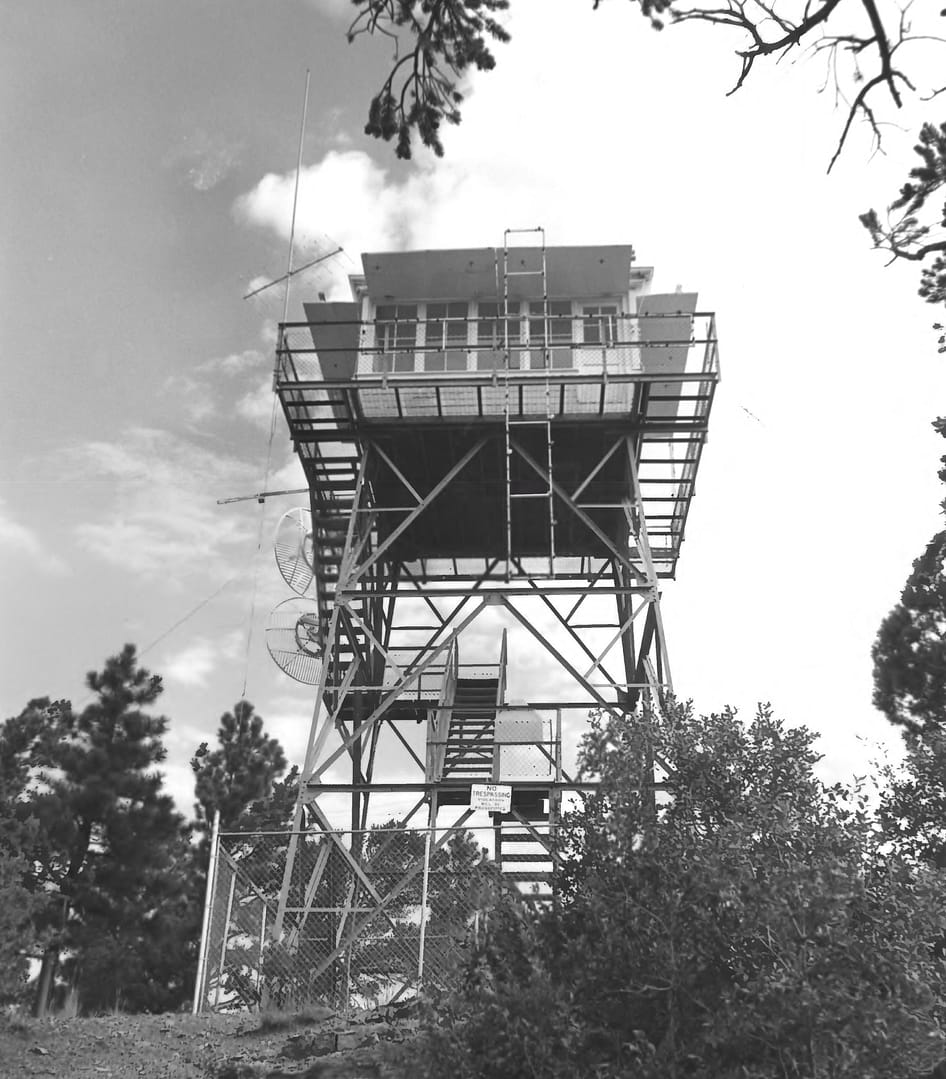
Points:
(394, 629)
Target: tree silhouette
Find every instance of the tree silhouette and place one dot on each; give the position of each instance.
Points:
(861, 42)
(914, 229)
(240, 771)
(909, 653)
(109, 854)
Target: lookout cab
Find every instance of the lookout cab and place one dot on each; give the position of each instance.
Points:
(501, 445)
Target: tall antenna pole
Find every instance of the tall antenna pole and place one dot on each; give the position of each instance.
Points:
(295, 196)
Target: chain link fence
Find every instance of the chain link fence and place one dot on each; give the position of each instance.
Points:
(369, 915)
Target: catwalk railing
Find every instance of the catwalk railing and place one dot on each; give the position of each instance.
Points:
(371, 915)
(393, 363)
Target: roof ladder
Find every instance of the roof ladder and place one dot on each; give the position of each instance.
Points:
(548, 493)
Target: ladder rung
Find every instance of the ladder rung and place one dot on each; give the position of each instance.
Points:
(539, 494)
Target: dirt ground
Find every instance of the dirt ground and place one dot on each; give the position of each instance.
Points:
(315, 1045)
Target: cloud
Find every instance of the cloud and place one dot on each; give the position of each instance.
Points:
(342, 179)
(236, 363)
(257, 405)
(290, 475)
(193, 665)
(164, 519)
(488, 180)
(196, 399)
(17, 539)
(200, 393)
(204, 159)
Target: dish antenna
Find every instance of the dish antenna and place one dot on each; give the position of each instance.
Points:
(295, 550)
(294, 639)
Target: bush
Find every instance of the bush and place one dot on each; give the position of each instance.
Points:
(753, 923)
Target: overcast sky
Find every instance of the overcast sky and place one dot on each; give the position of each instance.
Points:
(149, 156)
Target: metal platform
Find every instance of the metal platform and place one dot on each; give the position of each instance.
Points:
(339, 388)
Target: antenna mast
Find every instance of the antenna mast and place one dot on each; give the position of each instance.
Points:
(295, 195)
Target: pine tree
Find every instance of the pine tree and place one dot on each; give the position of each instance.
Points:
(276, 810)
(111, 850)
(240, 772)
(20, 905)
(910, 651)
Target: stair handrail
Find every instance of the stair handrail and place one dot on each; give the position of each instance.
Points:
(438, 731)
(501, 680)
(500, 699)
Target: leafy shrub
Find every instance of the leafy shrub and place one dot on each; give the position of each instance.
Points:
(751, 922)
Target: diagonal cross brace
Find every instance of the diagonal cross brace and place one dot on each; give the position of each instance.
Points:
(384, 903)
(619, 555)
(608, 706)
(438, 489)
(411, 678)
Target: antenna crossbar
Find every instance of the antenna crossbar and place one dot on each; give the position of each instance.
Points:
(261, 496)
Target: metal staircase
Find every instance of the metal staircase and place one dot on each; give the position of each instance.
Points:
(522, 852)
(470, 736)
(470, 756)
(333, 480)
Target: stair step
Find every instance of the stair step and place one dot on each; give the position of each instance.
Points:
(518, 837)
(544, 857)
(529, 878)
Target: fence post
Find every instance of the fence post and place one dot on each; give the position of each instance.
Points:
(422, 936)
(259, 960)
(225, 935)
(205, 925)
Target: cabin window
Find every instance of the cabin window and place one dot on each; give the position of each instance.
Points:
(600, 324)
(555, 321)
(395, 337)
(445, 336)
(492, 336)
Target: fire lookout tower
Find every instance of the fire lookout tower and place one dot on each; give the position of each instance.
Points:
(501, 446)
